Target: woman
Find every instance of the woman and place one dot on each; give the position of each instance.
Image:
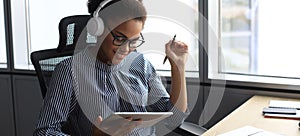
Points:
(112, 77)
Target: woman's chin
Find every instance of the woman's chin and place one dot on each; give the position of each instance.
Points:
(116, 61)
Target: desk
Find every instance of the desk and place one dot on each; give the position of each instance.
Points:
(250, 113)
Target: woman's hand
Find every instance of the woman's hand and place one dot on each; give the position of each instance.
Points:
(177, 53)
(119, 127)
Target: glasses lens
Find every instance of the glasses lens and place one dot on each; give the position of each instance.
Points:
(136, 43)
(119, 41)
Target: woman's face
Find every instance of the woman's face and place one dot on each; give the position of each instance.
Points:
(112, 54)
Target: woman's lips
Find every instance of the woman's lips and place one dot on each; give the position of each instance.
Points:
(120, 55)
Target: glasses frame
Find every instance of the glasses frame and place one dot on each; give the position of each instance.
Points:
(127, 40)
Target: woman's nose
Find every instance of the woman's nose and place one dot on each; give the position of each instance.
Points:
(124, 47)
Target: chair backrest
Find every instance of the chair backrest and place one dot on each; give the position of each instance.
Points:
(44, 61)
(71, 29)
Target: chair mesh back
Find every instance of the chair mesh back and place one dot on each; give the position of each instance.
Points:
(44, 62)
(48, 66)
(70, 34)
(72, 31)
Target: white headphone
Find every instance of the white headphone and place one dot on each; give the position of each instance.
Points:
(95, 25)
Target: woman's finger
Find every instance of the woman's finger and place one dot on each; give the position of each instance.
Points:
(99, 120)
(124, 128)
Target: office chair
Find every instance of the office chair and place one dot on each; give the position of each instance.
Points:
(44, 61)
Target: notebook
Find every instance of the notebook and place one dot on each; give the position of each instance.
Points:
(284, 104)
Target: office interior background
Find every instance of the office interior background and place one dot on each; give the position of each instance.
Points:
(255, 51)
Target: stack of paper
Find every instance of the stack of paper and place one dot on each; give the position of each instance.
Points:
(249, 131)
(284, 104)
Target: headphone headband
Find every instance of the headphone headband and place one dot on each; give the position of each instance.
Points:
(101, 5)
(95, 25)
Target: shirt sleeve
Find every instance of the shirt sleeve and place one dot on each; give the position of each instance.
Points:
(56, 102)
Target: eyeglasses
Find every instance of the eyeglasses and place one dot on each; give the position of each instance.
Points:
(122, 40)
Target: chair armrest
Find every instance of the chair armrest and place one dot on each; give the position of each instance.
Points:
(190, 129)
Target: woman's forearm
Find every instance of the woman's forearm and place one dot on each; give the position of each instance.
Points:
(178, 94)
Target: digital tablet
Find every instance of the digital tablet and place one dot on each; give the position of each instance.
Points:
(147, 118)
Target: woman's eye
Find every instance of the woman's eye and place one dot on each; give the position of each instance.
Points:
(134, 42)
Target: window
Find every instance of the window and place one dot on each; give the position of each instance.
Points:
(3, 58)
(257, 40)
(160, 27)
(35, 25)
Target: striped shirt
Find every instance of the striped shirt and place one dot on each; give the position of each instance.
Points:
(82, 88)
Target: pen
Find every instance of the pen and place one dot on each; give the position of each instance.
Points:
(171, 45)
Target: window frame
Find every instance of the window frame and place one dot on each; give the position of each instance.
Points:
(273, 87)
(4, 36)
(8, 39)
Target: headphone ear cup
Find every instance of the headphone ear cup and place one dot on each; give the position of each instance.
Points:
(95, 26)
